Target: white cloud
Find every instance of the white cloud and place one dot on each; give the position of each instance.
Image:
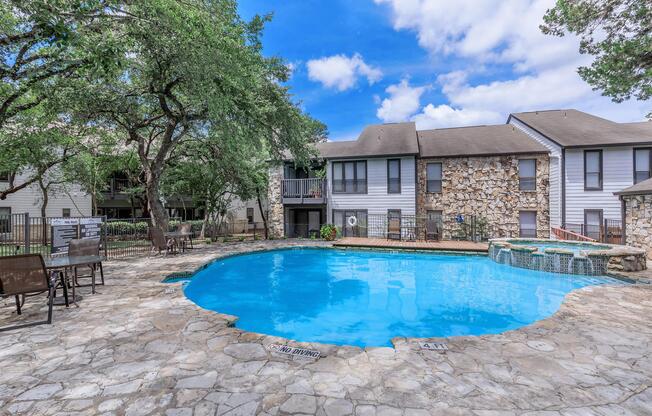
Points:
(432, 117)
(403, 102)
(498, 32)
(341, 72)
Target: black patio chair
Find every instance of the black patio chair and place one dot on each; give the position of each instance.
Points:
(432, 231)
(25, 275)
(86, 247)
(394, 228)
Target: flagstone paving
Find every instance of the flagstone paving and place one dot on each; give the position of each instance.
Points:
(139, 347)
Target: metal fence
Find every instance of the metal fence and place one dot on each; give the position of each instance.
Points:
(610, 231)
(22, 233)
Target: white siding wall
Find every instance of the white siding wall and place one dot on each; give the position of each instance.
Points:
(617, 174)
(29, 200)
(377, 200)
(555, 171)
(238, 209)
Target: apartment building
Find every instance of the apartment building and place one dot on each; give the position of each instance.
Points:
(590, 159)
(497, 173)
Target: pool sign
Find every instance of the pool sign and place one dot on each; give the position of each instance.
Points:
(434, 346)
(90, 228)
(294, 351)
(63, 230)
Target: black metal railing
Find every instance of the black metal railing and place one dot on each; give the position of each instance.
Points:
(22, 233)
(304, 188)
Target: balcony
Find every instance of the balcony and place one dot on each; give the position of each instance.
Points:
(116, 187)
(304, 191)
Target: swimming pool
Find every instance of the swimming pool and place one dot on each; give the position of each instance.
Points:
(366, 298)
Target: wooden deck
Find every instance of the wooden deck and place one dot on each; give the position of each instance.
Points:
(412, 245)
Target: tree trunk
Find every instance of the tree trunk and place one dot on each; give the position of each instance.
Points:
(158, 214)
(262, 213)
(153, 169)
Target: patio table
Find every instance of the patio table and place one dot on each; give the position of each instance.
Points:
(61, 265)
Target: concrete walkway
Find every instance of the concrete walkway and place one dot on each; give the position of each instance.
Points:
(139, 347)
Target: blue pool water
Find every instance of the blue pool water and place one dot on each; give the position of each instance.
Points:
(367, 298)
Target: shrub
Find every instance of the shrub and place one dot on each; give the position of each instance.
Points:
(328, 232)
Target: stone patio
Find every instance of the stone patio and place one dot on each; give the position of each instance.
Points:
(138, 347)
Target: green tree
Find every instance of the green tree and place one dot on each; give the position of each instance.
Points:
(45, 44)
(618, 33)
(191, 68)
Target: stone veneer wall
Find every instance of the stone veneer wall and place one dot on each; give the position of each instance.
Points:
(488, 187)
(638, 221)
(276, 218)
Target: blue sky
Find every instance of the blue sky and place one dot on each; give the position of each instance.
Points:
(436, 62)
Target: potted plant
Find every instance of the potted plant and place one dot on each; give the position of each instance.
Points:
(328, 232)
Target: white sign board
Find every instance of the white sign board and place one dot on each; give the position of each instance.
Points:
(90, 228)
(63, 230)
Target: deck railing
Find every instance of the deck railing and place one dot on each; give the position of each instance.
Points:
(304, 188)
(610, 231)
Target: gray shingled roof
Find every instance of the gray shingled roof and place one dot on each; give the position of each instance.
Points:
(641, 188)
(395, 139)
(501, 139)
(573, 128)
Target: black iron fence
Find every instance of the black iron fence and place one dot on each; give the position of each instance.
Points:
(22, 233)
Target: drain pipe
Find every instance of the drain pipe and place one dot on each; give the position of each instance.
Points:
(623, 220)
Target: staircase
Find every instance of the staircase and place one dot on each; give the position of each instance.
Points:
(563, 234)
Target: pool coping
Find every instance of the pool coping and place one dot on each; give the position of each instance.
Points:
(396, 342)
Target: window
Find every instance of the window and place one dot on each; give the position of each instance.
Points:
(593, 223)
(593, 170)
(433, 177)
(250, 215)
(393, 176)
(4, 176)
(350, 177)
(65, 213)
(5, 220)
(642, 164)
(527, 174)
(341, 221)
(527, 224)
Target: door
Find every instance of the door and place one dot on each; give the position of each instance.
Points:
(314, 223)
(593, 223)
(301, 223)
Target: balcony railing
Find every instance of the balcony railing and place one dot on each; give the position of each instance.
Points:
(117, 186)
(304, 191)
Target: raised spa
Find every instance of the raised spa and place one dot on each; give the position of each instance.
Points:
(571, 257)
(366, 298)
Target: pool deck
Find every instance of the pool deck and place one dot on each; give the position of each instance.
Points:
(139, 347)
(463, 246)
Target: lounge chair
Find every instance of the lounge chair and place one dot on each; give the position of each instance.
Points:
(432, 231)
(21, 275)
(394, 228)
(160, 243)
(87, 247)
(186, 228)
